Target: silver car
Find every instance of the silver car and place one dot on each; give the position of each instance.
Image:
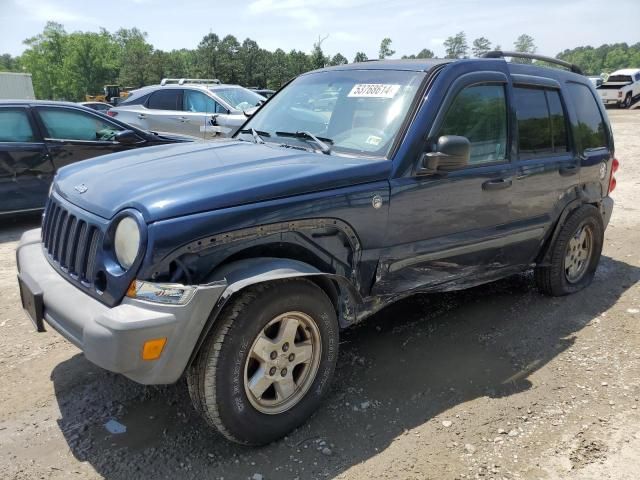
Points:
(198, 107)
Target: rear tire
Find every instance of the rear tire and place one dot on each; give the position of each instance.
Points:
(257, 345)
(575, 254)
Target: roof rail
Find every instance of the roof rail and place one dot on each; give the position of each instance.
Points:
(182, 81)
(533, 56)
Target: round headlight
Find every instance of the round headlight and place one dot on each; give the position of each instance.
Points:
(127, 242)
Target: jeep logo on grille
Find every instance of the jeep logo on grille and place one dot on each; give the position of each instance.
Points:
(81, 188)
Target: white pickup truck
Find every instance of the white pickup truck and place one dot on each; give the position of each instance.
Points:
(622, 88)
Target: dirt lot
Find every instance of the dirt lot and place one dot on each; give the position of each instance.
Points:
(495, 382)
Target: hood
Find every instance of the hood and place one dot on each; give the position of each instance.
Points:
(180, 179)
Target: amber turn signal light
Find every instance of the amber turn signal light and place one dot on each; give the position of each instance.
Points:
(152, 349)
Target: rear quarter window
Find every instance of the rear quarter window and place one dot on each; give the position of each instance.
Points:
(591, 130)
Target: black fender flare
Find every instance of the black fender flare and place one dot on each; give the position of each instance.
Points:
(241, 274)
(544, 257)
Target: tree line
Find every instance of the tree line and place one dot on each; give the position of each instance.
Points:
(71, 65)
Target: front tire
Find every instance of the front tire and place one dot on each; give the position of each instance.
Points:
(575, 254)
(626, 103)
(267, 363)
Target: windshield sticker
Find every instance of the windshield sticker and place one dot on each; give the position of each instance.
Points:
(373, 140)
(374, 90)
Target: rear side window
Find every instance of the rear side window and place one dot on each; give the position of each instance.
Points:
(591, 131)
(15, 126)
(479, 112)
(165, 100)
(541, 122)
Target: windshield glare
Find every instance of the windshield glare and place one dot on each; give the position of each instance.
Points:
(355, 111)
(239, 98)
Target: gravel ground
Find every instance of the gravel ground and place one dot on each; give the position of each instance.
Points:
(496, 382)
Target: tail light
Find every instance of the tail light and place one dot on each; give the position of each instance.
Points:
(111, 113)
(615, 164)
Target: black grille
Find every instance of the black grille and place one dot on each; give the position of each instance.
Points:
(71, 242)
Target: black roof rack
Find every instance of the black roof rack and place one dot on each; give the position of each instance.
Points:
(533, 56)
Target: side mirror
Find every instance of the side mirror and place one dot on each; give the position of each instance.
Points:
(452, 152)
(127, 137)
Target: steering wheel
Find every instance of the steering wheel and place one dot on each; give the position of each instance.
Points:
(345, 139)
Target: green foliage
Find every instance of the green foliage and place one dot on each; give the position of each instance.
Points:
(68, 66)
(385, 49)
(424, 53)
(9, 63)
(360, 57)
(604, 59)
(481, 46)
(456, 46)
(524, 44)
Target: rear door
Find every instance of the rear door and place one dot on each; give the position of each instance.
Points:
(164, 111)
(454, 228)
(547, 167)
(72, 134)
(26, 170)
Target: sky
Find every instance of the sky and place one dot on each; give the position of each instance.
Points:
(351, 25)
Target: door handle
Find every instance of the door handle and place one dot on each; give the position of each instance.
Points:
(569, 170)
(182, 119)
(142, 115)
(497, 184)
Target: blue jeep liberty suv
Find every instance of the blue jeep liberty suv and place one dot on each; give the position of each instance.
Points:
(236, 263)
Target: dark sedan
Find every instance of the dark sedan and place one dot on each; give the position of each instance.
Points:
(37, 138)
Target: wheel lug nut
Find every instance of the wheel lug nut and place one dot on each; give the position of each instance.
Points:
(291, 357)
(285, 347)
(272, 371)
(283, 372)
(273, 355)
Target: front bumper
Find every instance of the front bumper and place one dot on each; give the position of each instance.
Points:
(112, 338)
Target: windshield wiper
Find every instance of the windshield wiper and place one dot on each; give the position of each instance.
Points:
(320, 141)
(257, 135)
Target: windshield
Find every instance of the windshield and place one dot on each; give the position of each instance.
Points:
(239, 98)
(353, 111)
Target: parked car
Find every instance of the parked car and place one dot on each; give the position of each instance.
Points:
(597, 81)
(198, 107)
(265, 92)
(38, 137)
(622, 88)
(101, 107)
(238, 262)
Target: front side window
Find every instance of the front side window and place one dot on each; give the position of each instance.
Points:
(165, 100)
(239, 98)
(69, 124)
(591, 131)
(15, 126)
(541, 122)
(197, 102)
(355, 112)
(479, 113)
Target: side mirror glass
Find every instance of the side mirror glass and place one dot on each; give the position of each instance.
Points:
(452, 153)
(127, 137)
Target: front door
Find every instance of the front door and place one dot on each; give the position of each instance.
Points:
(72, 134)
(26, 170)
(454, 227)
